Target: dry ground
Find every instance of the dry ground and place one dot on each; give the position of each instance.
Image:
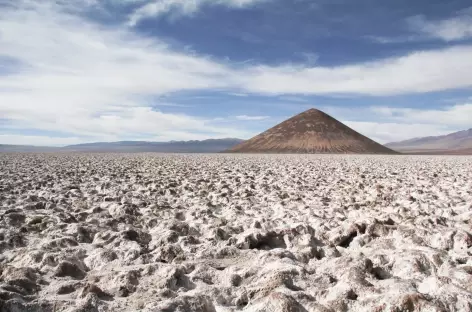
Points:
(150, 232)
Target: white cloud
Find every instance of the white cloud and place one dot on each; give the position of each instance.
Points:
(156, 8)
(459, 115)
(387, 132)
(393, 40)
(238, 94)
(248, 118)
(398, 124)
(417, 72)
(455, 28)
(79, 78)
(87, 80)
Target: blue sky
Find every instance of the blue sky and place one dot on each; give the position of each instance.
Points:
(74, 71)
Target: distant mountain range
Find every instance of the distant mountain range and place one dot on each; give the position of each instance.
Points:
(26, 148)
(311, 132)
(456, 143)
(204, 146)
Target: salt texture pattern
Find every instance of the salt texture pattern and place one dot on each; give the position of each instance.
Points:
(150, 232)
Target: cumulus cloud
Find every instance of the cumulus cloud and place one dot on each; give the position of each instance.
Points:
(454, 28)
(157, 8)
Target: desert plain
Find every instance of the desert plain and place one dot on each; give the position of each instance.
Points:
(217, 233)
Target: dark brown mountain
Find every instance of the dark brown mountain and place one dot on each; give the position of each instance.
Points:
(456, 143)
(311, 132)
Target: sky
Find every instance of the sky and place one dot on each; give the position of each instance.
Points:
(76, 71)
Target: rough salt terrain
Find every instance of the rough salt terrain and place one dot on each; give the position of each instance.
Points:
(150, 232)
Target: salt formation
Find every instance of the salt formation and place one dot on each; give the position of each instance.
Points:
(149, 232)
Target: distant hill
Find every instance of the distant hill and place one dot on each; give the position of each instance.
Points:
(311, 132)
(26, 148)
(455, 143)
(204, 146)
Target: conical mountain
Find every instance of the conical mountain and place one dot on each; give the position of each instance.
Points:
(311, 132)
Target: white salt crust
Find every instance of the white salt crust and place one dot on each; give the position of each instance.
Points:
(157, 232)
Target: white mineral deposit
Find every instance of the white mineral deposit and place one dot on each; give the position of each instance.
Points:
(207, 233)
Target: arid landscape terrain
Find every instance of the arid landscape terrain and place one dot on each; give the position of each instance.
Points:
(157, 232)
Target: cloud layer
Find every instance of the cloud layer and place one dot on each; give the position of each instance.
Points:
(417, 72)
(157, 8)
(399, 124)
(83, 79)
(64, 74)
(455, 28)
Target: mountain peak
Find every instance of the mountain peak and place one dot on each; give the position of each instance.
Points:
(312, 110)
(311, 131)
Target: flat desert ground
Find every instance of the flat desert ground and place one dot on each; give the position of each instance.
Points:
(158, 232)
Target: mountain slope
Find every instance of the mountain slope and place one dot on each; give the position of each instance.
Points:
(311, 132)
(454, 143)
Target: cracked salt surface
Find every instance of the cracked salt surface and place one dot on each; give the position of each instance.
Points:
(155, 232)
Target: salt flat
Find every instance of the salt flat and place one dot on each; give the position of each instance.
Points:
(157, 232)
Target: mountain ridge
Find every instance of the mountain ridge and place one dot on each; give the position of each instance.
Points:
(459, 142)
(192, 146)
